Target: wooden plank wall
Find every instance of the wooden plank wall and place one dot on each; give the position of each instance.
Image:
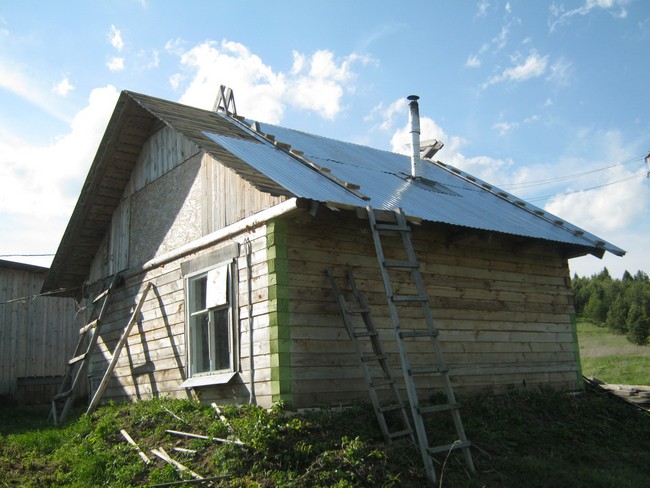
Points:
(153, 363)
(37, 334)
(221, 198)
(228, 198)
(504, 315)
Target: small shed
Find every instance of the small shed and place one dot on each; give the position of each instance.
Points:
(231, 224)
(37, 334)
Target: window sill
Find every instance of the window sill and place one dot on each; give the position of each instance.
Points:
(206, 380)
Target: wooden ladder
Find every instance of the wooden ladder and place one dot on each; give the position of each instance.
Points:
(384, 381)
(118, 349)
(76, 366)
(394, 223)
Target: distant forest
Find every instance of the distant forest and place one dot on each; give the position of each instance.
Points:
(623, 306)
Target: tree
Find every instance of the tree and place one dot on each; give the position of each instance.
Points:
(617, 315)
(638, 325)
(595, 310)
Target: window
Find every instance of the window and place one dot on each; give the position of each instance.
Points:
(210, 330)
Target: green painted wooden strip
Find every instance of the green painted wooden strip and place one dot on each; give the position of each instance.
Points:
(279, 317)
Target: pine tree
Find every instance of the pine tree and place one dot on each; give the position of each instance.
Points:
(638, 325)
(617, 315)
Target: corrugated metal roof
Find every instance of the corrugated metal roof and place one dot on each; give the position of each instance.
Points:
(382, 176)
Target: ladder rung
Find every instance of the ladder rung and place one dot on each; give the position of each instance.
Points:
(62, 395)
(90, 325)
(381, 382)
(365, 333)
(361, 310)
(438, 408)
(401, 264)
(373, 357)
(392, 227)
(410, 298)
(101, 295)
(391, 408)
(400, 433)
(74, 360)
(418, 333)
(428, 370)
(449, 447)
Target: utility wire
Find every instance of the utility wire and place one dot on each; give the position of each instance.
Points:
(528, 184)
(24, 255)
(546, 197)
(47, 293)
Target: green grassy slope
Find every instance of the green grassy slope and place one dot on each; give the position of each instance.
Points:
(535, 438)
(612, 358)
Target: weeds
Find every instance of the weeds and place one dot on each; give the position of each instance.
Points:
(534, 438)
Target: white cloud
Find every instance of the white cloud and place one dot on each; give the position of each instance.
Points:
(258, 89)
(473, 62)
(384, 117)
(607, 209)
(148, 60)
(115, 38)
(533, 66)
(317, 82)
(505, 127)
(63, 87)
(481, 8)
(484, 167)
(45, 180)
(25, 85)
(560, 72)
(615, 7)
(115, 64)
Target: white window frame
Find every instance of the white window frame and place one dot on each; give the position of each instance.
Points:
(211, 374)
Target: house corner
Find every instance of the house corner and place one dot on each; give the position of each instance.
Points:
(280, 332)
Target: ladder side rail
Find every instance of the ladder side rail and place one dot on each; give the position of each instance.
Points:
(105, 295)
(374, 398)
(379, 350)
(451, 397)
(422, 439)
(118, 349)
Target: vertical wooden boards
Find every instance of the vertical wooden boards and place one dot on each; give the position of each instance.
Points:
(279, 319)
(228, 198)
(37, 334)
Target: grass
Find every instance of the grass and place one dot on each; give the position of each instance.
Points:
(611, 358)
(534, 438)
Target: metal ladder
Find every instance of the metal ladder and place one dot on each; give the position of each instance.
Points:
(368, 335)
(394, 223)
(81, 357)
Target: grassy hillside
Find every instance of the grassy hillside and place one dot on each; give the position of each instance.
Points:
(533, 438)
(612, 358)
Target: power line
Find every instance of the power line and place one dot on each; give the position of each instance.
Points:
(25, 255)
(548, 181)
(546, 197)
(47, 293)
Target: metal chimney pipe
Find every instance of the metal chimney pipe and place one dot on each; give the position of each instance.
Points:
(414, 123)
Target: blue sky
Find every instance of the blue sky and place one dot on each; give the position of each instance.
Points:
(548, 100)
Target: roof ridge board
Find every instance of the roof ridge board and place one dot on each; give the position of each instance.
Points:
(333, 139)
(532, 209)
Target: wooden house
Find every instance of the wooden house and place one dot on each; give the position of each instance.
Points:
(233, 223)
(36, 334)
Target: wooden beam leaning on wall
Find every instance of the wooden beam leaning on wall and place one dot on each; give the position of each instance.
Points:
(118, 349)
